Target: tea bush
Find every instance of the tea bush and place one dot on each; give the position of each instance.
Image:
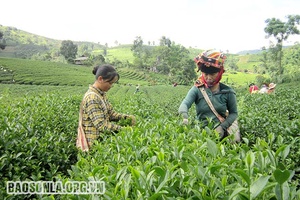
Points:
(159, 158)
(37, 138)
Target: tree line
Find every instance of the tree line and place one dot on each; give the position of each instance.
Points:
(174, 60)
(168, 58)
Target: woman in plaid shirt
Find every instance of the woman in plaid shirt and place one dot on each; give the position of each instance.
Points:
(98, 114)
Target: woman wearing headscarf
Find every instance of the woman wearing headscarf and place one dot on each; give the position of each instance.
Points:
(222, 97)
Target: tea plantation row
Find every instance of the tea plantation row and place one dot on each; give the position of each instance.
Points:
(159, 158)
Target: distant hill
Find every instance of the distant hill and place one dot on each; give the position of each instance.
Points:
(256, 51)
(17, 40)
(22, 44)
(245, 52)
(14, 36)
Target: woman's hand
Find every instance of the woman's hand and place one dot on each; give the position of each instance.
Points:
(133, 120)
(185, 121)
(220, 130)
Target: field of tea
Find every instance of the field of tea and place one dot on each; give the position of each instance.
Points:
(34, 72)
(159, 158)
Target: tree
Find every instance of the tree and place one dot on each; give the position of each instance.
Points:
(105, 51)
(141, 53)
(264, 60)
(186, 75)
(281, 31)
(231, 62)
(2, 41)
(174, 60)
(99, 59)
(165, 41)
(137, 47)
(291, 60)
(68, 50)
(83, 49)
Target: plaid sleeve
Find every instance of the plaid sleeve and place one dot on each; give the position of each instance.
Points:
(98, 113)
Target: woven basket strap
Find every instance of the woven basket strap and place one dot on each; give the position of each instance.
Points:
(202, 90)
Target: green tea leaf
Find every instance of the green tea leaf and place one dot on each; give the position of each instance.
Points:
(258, 186)
(244, 175)
(281, 176)
(212, 147)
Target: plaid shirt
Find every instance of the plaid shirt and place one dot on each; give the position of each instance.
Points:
(98, 115)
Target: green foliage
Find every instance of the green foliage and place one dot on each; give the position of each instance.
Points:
(46, 73)
(29, 50)
(68, 50)
(281, 32)
(291, 61)
(37, 138)
(122, 53)
(237, 79)
(137, 47)
(59, 74)
(26, 45)
(159, 158)
(168, 59)
(231, 62)
(2, 41)
(14, 36)
(21, 44)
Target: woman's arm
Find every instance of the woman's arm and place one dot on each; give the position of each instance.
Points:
(187, 102)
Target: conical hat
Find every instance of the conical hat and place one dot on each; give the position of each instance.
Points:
(272, 85)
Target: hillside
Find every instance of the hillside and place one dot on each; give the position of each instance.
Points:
(18, 41)
(21, 44)
(34, 72)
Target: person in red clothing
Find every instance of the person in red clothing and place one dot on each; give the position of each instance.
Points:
(253, 88)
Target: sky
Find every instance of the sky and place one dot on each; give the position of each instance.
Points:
(226, 25)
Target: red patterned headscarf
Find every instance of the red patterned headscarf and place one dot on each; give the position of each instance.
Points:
(210, 61)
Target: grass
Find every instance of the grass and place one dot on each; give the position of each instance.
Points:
(122, 53)
(238, 78)
(247, 62)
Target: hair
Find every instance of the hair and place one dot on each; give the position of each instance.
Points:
(209, 70)
(108, 72)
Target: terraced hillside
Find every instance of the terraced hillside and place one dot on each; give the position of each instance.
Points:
(32, 72)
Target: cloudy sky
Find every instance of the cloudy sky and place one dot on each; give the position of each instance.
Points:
(232, 25)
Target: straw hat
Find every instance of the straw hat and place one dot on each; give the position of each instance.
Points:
(272, 85)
